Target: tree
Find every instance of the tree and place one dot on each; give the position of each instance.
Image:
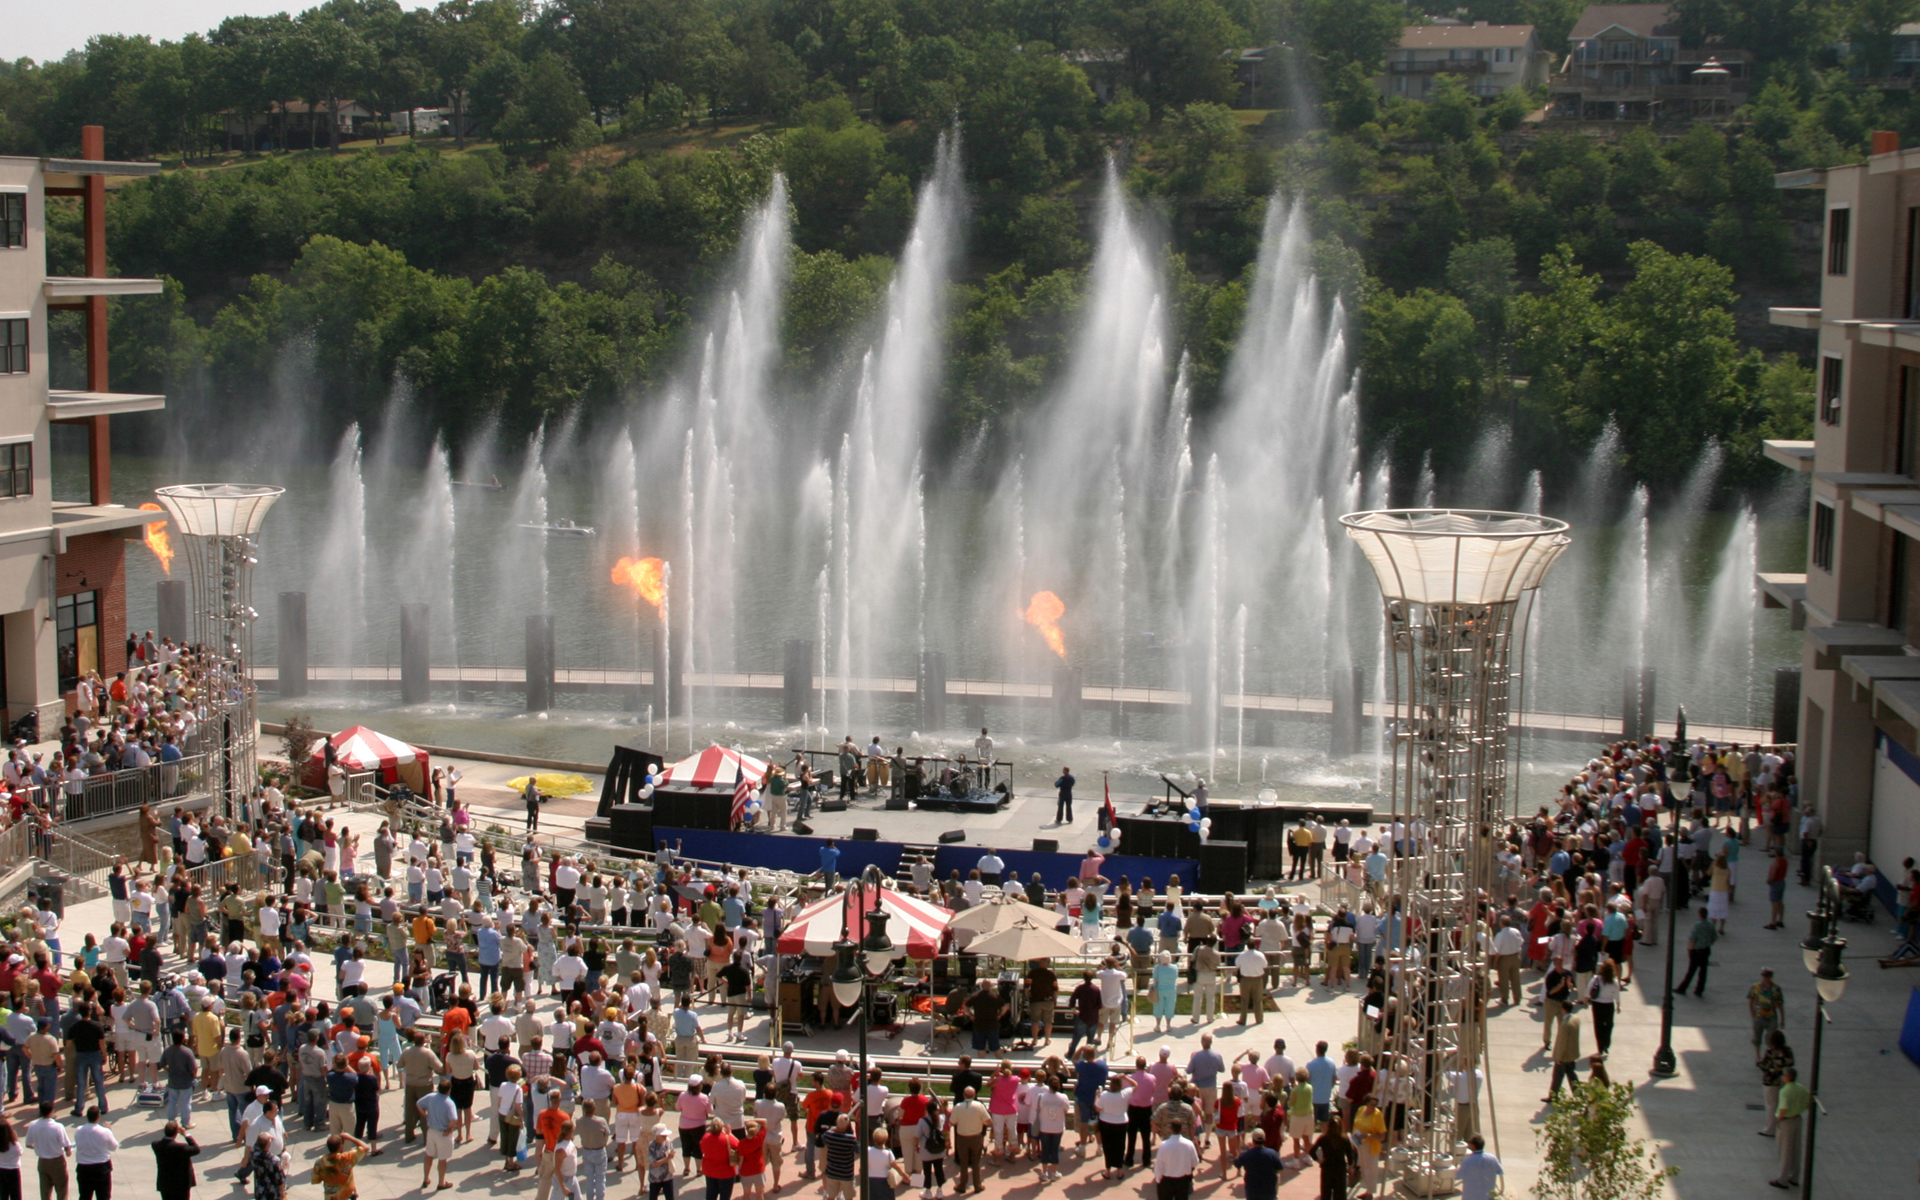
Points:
(1587, 1155)
(1174, 51)
(330, 60)
(1349, 31)
(1420, 361)
(550, 106)
(1872, 26)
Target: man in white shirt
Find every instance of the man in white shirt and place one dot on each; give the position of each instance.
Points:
(990, 866)
(596, 1082)
(729, 1098)
(1174, 1165)
(1113, 998)
(1278, 1065)
(1508, 945)
(1252, 967)
(50, 1143)
(983, 747)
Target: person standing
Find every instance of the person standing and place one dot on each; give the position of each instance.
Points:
(1260, 1168)
(983, 747)
(530, 796)
(438, 1113)
(1699, 954)
(1252, 968)
(173, 1157)
(1566, 1057)
(94, 1146)
(1776, 888)
(1767, 1006)
(1794, 1101)
(1478, 1171)
(1811, 828)
(50, 1143)
(968, 1121)
(1063, 809)
(1773, 1071)
(1174, 1165)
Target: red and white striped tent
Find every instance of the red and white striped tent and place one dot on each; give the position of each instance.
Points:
(358, 748)
(911, 922)
(716, 767)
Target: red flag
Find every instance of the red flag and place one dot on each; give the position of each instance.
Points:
(1106, 786)
(742, 792)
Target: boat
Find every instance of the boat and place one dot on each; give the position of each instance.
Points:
(560, 528)
(493, 485)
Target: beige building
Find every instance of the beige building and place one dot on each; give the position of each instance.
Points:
(1859, 601)
(1490, 59)
(62, 576)
(1627, 62)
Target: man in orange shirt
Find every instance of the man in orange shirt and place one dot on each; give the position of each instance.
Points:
(455, 1020)
(822, 1099)
(547, 1125)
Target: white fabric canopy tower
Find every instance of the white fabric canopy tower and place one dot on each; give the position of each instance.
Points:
(1452, 580)
(220, 524)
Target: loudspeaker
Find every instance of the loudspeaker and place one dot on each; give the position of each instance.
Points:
(803, 829)
(600, 829)
(953, 835)
(896, 801)
(1229, 822)
(1223, 866)
(1046, 846)
(631, 826)
(834, 805)
(866, 835)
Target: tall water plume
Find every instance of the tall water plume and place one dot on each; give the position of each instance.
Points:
(526, 564)
(340, 576)
(882, 466)
(1727, 643)
(427, 575)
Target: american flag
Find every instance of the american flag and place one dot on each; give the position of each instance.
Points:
(742, 792)
(1107, 802)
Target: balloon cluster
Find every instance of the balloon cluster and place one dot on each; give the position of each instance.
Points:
(646, 789)
(1199, 824)
(1110, 838)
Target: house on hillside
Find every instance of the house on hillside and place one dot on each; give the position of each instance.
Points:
(293, 125)
(1627, 63)
(1490, 59)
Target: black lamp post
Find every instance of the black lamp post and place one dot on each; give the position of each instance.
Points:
(1665, 1066)
(857, 967)
(1823, 954)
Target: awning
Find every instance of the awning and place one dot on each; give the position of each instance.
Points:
(914, 924)
(714, 767)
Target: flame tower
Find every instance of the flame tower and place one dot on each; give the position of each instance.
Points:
(1452, 581)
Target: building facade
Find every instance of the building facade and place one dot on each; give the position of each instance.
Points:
(62, 563)
(1627, 62)
(1489, 59)
(1860, 666)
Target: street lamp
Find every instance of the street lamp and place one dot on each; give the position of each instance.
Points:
(858, 966)
(1823, 953)
(1665, 1066)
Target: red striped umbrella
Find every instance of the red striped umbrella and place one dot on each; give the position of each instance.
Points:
(912, 923)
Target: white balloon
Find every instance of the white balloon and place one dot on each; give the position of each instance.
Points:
(646, 793)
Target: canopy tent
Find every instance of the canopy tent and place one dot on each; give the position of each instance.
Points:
(359, 749)
(911, 923)
(716, 767)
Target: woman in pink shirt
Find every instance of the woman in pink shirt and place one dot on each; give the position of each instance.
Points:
(1003, 1106)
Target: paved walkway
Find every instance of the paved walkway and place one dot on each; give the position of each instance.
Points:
(1703, 1120)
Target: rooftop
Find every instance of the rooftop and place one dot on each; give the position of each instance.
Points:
(1647, 20)
(1446, 37)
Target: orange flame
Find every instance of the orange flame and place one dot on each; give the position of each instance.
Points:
(157, 539)
(1043, 613)
(646, 576)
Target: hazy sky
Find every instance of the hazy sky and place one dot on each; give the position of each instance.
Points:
(48, 31)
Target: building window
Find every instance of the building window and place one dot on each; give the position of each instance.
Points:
(16, 469)
(1832, 375)
(1839, 232)
(1897, 584)
(77, 623)
(13, 346)
(1823, 536)
(13, 220)
(1906, 434)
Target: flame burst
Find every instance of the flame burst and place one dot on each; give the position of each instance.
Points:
(1043, 613)
(646, 576)
(157, 539)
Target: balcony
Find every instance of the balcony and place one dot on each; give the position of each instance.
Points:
(1785, 591)
(72, 287)
(1794, 454)
(1441, 66)
(1794, 318)
(78, 406)
(68, 173)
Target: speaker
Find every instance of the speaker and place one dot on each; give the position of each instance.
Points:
(953, 835)
(1223, 866)
(866, 835)
(803, 829)
(833, 805)
(1229, 821)
(600, 829)
(897, 801)
(1045, 846)
(631, 826)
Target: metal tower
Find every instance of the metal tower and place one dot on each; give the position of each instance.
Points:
(1452, 581)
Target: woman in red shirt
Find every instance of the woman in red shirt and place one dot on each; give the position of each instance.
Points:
(716, 1160)
(753, 1161)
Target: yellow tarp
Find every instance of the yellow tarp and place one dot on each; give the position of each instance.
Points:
(555, 783)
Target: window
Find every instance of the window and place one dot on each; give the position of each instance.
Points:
(1823, 536)
(1502, 54)
(1913, 264)
(1906, 434)
(1839, 231)
(1832, 374)
(13, 345)
(13, 220)
(1897, 584)
(16, 469)
(77, 624)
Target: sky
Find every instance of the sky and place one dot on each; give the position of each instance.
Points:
(48, 31)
